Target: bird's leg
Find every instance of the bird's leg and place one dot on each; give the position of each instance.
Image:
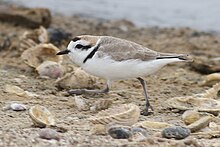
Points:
(145, 112)
(87, 91)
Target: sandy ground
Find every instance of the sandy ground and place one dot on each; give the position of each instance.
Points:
(177, 79)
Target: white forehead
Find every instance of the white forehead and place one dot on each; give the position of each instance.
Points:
(72, 44)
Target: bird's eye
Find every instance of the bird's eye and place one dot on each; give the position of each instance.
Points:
(78, 46)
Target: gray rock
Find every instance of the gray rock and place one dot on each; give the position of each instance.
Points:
(176, 132)
(119, 133)
(48, 134)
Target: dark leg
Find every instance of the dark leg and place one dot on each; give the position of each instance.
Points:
(145, 112)
(86, 91)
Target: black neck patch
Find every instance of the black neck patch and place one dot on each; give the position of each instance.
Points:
(76, 39)
(92, 53)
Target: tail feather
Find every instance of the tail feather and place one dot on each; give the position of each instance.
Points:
(179, 56)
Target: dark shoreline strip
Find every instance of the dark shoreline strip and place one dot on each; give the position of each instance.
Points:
(92, 53)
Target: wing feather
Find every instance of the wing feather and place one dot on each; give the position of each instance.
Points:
(119, 49)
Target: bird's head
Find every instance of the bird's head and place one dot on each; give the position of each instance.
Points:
(80, 47)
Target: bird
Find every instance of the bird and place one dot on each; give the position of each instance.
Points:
(114, 59)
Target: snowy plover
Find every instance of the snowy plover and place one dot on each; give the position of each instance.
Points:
(115, 59)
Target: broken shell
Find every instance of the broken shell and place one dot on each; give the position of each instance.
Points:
(18, 107)
(211, 79)
(14, 90)
(76, 80)
(41, 116)
(36, 55)
(126, 114)
(80, 103)
(176, 132)
(190, 116)
(50, 69)
(39, 35)
(200, 124)
(101, 105)
(204, 102)
(153, 125)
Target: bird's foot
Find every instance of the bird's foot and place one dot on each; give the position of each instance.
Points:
(146, 112)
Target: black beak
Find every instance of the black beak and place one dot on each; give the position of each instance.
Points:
(63, 52)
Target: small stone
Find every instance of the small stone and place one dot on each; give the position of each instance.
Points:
(18, 107)
(81, 103)
(119, 133)
(176, 132)
(138, 134)
(48, 134)
(50, 69)
(190, 116)
(98, 129)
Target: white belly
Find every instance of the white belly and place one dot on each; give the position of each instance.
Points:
(114, 70)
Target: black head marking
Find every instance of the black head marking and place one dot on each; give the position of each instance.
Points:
(76, 39)
(82, 47)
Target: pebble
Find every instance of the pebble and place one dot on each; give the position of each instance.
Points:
(81, 104)
(18, 107)
(139, 134)
(48, 134)
(176, 132)
(119, 133)
(98, 129)
(190, 116)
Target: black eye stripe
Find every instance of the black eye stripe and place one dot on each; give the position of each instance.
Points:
(80, 46)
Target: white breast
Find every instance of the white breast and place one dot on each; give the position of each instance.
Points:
(114, 70)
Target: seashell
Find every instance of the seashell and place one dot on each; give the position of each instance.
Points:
(101, 105)
(153, 125)
(204, 102)
(48, 134)
(18, 107)
(76, 79)
(176, 132)
(39, 35)
(41, 116)
(211, 79)
(14, 90)
(50, 69)
(199, 124)
(126, 114)
(119, 133)
(190, 116)
(81, 103)
(36, 55)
